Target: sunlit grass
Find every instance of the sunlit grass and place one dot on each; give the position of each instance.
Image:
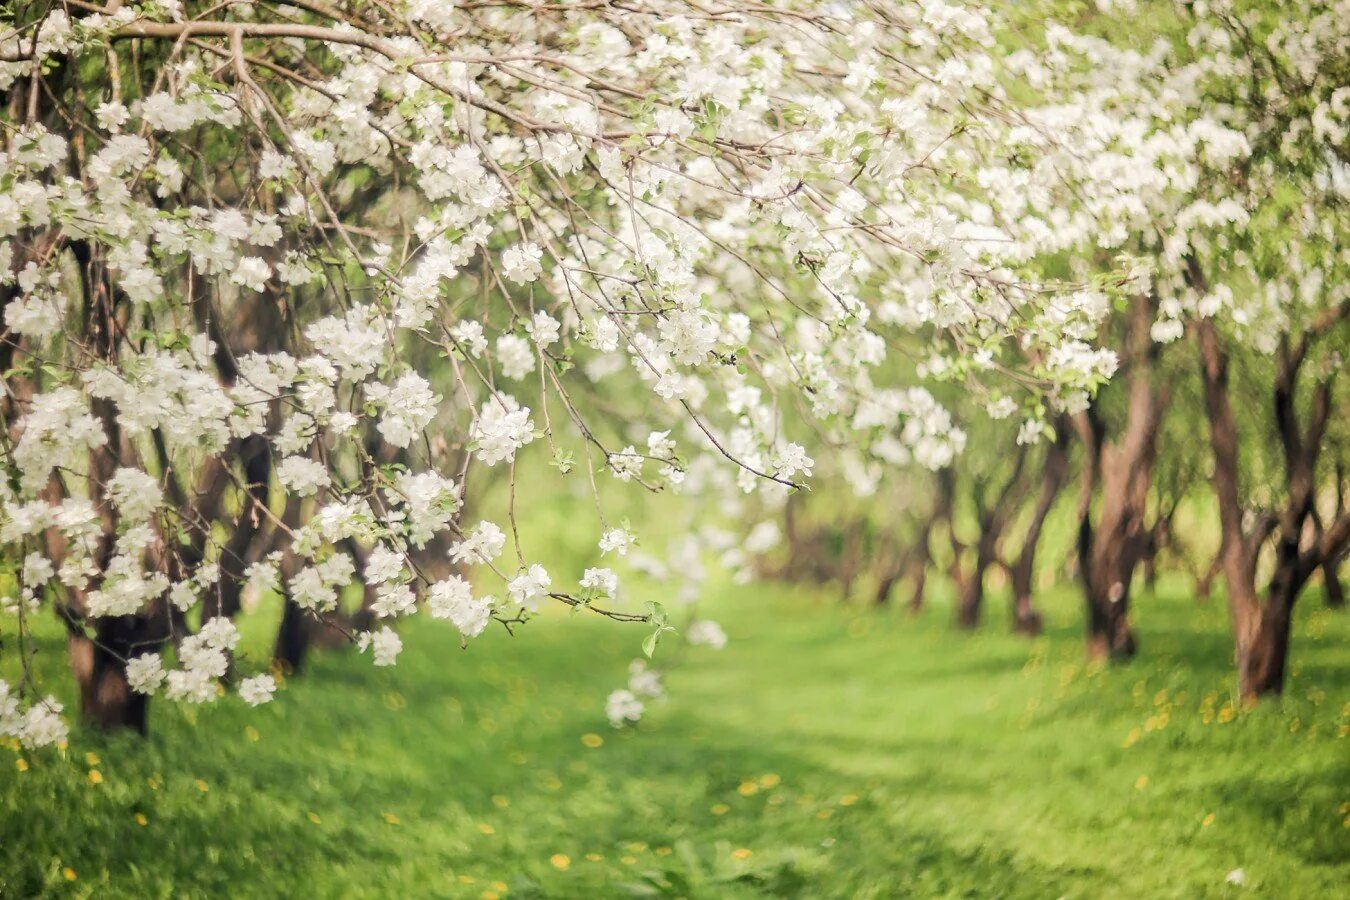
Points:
(826, 752)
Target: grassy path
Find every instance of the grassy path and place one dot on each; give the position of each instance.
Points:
(825, 752)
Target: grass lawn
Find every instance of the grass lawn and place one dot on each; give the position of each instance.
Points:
(826, 752)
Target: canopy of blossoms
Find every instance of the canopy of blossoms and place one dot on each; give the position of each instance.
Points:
(283, 282)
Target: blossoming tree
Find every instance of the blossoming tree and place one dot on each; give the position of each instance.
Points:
(245, 246)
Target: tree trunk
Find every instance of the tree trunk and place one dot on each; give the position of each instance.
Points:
(293, 639)
(1263, 655)
(1331, 584)
(918, 595)
(1120, 472)
(1025, 619)
(106, 697)
(1109, 633)
(240, 550)
(850, 557)
(912, 564)
(1261, 625)
(1204, 585)
(885, 585)
(970, 588)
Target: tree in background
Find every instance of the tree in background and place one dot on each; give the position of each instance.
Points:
(1264, 288)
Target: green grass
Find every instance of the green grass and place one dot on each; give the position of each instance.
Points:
(826, 752)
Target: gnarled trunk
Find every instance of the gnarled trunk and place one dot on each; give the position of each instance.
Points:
(1120, 472)
(1262, 620)
(992, 516)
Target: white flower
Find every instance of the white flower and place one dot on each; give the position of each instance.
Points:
(483, 544)
(469, 335)
(707, 633)
(503, 427)
(219, 633)
(386, 644)
(274, 165)
(660, 445)
(617, 540)
(453, 599)
(37, 570)
(527, 587)
(310, 590)
(394, 600)
(145, 673)
(355, 343)
(384, 564)
(603, 581)
(43, 725)
(302, 476)
(515, 356)
(1030, 432)
(626, 463)
(257, 690)
(1001, 408)
(644, 681)
(251, 272)
(792, 459)
(111, 116)
(521, 263)
(409, 407)
(262, 576)
(183, 596)
(543, 329)
(623, 707)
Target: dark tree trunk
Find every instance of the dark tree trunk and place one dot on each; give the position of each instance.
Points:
(1109, 632)
(851, 555)
(106, 697)
(1025, 619)
(1204, 585)
(992, 516)
(1263, 657)
(1262, 624)
(912, 564)
(1120, 472)
(918, 594)
(970, 587)
(293, 638)
(885, 585)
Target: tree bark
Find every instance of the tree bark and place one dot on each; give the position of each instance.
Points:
(106, 697)
(1025, 618)
(1121, 472)
(99, 649)
(912, 564)
(293, 638)
(1331, 584)
(992, 518)
(970, 590)
(1262, 621)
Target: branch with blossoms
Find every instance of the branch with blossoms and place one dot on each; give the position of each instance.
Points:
(281, 282)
